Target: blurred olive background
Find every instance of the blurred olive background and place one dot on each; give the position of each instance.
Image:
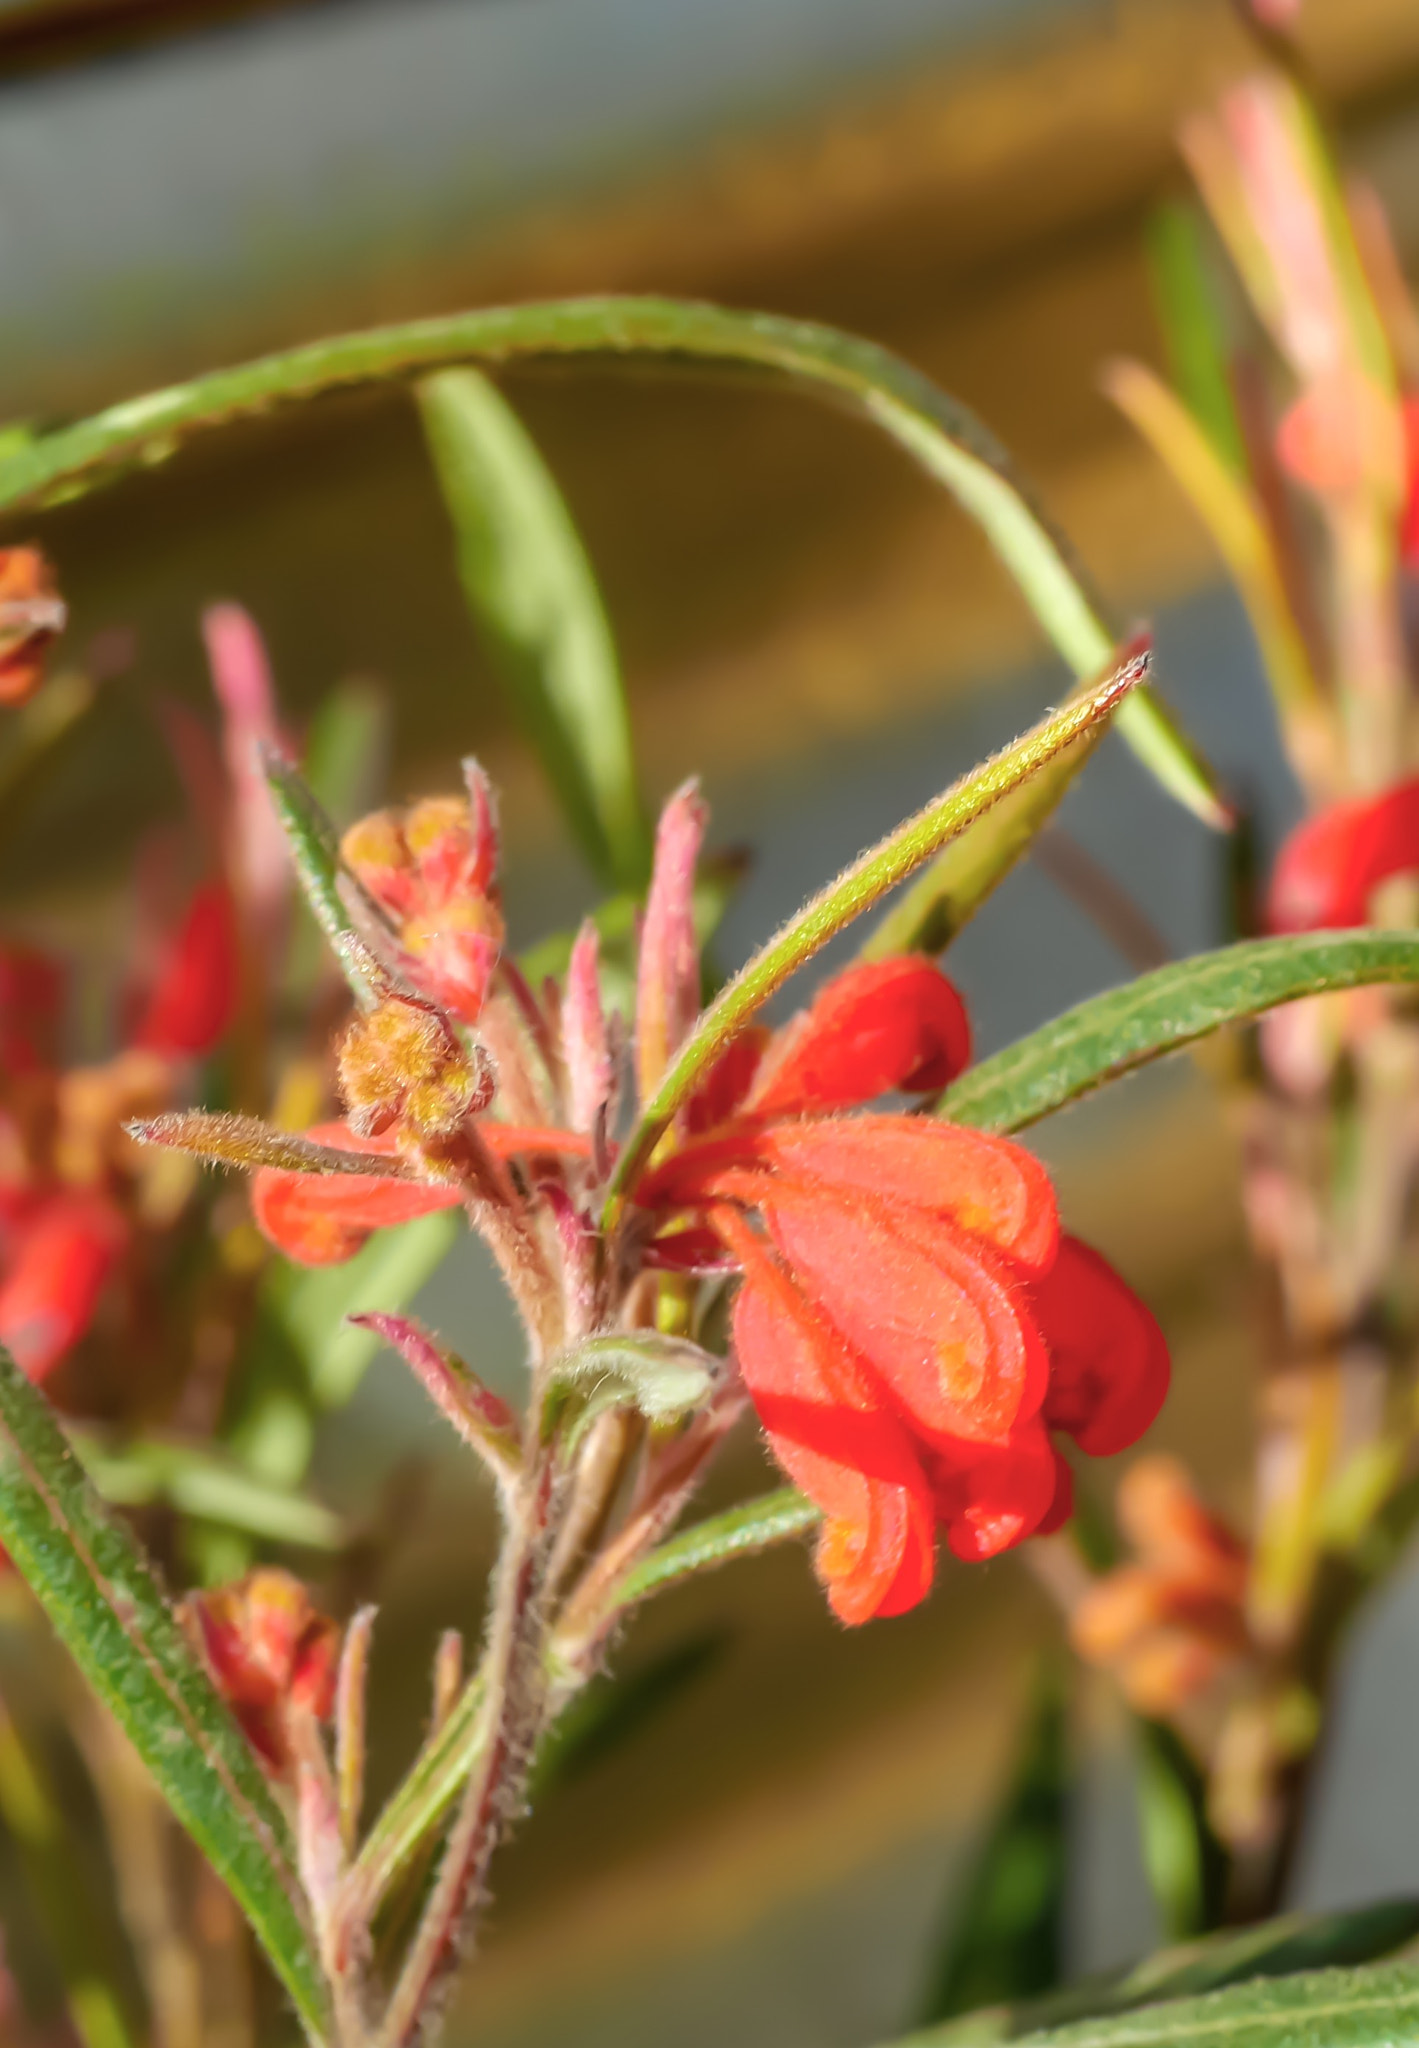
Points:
(769, 1857)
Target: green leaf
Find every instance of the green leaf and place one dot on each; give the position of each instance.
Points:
(315, 853)
(742, 1531)
(1190, 313)
(857, 889)
(1125, 1028)
(946, 439)
(1283, 1948)
(422, 1798)
(1186, 1864)
(196, 1480)
(1233, 515)
(1006, 1940)
(347, 748)
(533, 595)
(664, 1377)
(945, 899)
(100, 1596)
(346, 751)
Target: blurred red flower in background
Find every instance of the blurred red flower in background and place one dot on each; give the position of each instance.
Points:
(71, 1183)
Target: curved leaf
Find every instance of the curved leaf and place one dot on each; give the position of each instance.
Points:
(90, 1578)
(532, 593)
(1285, 1947)
(1159, 1013)
(871, 877)
(941, 435)
(1228, 508)
(315, 855)
(1367, 2008)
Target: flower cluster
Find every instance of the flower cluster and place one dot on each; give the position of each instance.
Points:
(76, 1195)
(1172, 1624)
(911, 1325)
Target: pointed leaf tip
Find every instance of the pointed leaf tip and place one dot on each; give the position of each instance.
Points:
(481, 1417)
(226, 1139)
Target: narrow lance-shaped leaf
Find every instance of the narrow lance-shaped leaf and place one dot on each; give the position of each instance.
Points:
(99, 1594)
(481, 1417)
(1376, 2007)
(741, 1531)
(946, 439)
(315, 852)
(1185, 1861)
(227, 1139)
(857, 889)
(1227, 508)
(1159, 1013)
(346, 749)
(533, 596)
(1186, 299)
(1277, 1948)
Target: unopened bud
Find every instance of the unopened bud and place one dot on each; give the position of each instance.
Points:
(272, 1654)
(432, 869)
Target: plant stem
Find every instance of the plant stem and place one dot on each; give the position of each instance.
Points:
(513, 1679)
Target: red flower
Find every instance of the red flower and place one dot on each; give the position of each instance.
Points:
(911, 1325)
(1330, 866)
(61, 1258)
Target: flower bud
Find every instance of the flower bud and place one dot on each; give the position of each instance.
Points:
(432, 870)
(272, 1655)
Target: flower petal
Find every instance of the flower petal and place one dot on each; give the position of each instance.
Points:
(323, 1219)
(833, 1438)
(668, 976)
(61, 1262)
(994, 1189)
(1109, 1366)
(1329, 868)
(192, 1003)
(883, 1025)
(930, 1309)
(992, 1496)
(585, 1043)
(728, 1081)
